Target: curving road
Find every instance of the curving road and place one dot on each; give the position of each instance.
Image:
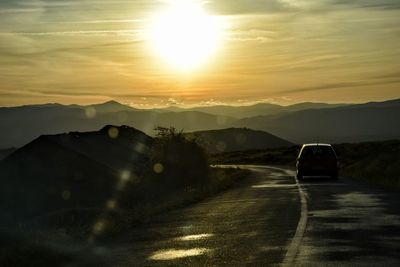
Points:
(271, 220)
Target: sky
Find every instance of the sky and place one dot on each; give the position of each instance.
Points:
(279, 51)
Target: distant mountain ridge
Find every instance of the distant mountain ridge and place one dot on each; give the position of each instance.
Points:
(253, 110)
(110, 106)
(354, 123)
(297, 123)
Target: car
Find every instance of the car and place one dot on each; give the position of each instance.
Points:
(317, 160)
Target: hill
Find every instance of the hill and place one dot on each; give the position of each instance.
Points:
(56, 172)
(110, 106)
(235, 139)
(116, 177)
(354, 123)
(5, 152)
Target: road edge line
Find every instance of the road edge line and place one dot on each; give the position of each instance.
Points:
(293, 248)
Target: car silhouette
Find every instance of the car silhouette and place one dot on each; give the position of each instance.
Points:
(317, 160)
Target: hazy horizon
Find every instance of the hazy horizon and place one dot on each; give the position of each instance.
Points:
(281, 51)
(171, 105)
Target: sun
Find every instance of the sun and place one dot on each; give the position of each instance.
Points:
(184, 35)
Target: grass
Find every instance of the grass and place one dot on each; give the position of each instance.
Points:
(374, 162)
(377, 163)
(275, 156)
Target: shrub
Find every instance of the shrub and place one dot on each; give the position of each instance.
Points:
(177, 162)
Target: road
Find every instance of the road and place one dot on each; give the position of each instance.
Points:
(271, 220)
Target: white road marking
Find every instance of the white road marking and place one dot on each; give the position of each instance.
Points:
(294, 245)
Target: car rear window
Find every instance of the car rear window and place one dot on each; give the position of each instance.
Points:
(317, 151)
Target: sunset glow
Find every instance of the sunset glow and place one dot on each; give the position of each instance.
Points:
(192, 52)
(184, 35)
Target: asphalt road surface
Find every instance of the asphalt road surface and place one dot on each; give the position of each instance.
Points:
(271, 220)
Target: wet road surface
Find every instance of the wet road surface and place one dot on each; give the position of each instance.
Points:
(350, 224)
(271, 220)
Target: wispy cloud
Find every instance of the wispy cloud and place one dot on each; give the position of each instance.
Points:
(249, 6)
(341, 85)
(106, 21)
(65, 93)
(381, 4)
(136, 33)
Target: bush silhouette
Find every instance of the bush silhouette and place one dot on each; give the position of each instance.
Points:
(177, 162)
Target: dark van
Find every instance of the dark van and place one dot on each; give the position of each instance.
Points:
(317, 160)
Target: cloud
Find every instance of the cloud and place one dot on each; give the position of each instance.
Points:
(381, 4)
(212, 102)
(134, 33)
(66, 93)
(238, 7)
(339, 85)
(173, 101)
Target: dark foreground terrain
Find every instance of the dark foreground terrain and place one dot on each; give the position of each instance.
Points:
(63, 193)
(269, 220)
(180, 212)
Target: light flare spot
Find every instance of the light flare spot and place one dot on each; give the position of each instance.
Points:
(111, 204)
(124, 178)
(125, 175)
(140, 147)
(158, 168)
(113, 132)
(99, 227)
(66, 195)
(90, 112)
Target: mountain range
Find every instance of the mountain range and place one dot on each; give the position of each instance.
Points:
(353, 123)
(299, 123)
(240, 112)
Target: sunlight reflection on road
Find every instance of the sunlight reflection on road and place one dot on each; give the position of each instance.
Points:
(171, 254)
(273, 185)
(194, 237)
